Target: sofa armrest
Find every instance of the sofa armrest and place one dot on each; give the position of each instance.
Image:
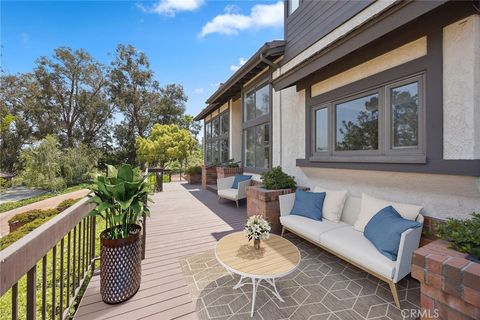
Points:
(409, 242)
(242, 188)
(225, 183)
(286, 203)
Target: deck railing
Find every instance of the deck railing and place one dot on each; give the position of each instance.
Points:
(65, 246)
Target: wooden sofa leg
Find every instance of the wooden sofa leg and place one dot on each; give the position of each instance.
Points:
(283, 232)
(237, 203)
(393, 288)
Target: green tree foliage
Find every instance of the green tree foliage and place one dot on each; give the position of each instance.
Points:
(166, 142)
(46, 166)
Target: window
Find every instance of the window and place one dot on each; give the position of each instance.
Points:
(292, 6)
(382, 124)
(257, 127)
(216, 139)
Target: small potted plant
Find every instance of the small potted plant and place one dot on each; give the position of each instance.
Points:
(463, 235)
(121, 199)
(263, 200)
(193, 174)
(228, 168)
(256, 229)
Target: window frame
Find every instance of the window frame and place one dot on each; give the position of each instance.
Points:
(211, 140)
(385, 152)
(289, 6)
(265, 119)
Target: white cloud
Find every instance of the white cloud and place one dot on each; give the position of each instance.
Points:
(198, 90)
(231, 22)
(241, 62)
(171, 7)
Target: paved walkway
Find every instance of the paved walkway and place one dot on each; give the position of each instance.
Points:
(44, 204)
(19, 193)
(185, 220)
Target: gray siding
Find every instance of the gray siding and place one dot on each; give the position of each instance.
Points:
(314, 19)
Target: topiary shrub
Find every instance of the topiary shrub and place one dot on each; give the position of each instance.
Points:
(31, 215)
(193, 170)
(464, 235)
(275, 179)
(66, 204)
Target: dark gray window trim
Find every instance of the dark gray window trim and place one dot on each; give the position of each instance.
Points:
(257, 121)
(385, 152)
(217, 139)
(432, 65)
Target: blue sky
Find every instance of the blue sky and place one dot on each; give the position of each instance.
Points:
(196, 43)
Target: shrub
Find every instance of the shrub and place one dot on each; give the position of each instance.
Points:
(77, 164)
(277, 179)
(31, 215)
(66, 203)
(194, 170)
(22, 231)
(464, 235)
(230, 164)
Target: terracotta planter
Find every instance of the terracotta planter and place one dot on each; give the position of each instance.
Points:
(194, 178)
(12, 226)
(223, 172)
(121, 266)
(263, 202)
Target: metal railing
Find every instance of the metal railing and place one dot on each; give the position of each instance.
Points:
(56, 259)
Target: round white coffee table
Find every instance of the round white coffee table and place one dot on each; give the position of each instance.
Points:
(276, 258)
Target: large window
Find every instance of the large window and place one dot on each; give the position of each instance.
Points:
(216, 139)
(256, 125)
(382, 124)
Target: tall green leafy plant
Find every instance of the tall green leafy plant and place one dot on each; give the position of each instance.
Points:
(277, 179)
(463, 234)
(121, 198)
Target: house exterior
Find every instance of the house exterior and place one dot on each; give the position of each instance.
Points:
(381, 97)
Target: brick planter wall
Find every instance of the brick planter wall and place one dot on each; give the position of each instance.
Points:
(223, 172)
(450, 284)
(194, 178)
(209, 175)
(264, 202)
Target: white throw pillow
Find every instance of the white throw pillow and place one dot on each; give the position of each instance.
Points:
(370, 207)
(333, 203)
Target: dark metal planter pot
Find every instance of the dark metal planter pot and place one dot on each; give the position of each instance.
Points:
(121, 267)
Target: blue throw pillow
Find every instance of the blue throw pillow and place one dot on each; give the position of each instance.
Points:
(308, 204)
(239, 178)
(385, 229)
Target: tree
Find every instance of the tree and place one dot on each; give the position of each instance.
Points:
(188, 123)
(171, 106)
(165, 143)
(73, 89)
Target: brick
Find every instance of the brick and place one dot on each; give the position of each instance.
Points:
(434, 263)
(452, 269)
(471, 296)
(452, 287)
(426, 302)
(419, 257)
(471, 276)
(418, 273)
(433, 279)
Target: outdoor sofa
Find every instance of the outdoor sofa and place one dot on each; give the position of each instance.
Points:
(226, 190)
(344, 241)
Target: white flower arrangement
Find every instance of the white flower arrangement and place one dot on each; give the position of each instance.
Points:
(257, 228)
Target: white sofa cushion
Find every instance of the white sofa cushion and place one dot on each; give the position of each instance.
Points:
(310, 228)
(231, 194)
(333, 203)
(353, 245)
(370, 206)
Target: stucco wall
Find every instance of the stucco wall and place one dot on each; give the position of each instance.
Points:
(461, 89)
(441, 195)
(235, 130)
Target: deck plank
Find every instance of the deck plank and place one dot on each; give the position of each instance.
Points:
(184, 221)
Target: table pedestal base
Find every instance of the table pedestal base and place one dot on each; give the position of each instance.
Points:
(255, 283)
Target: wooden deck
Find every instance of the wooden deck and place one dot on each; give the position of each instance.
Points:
(185, 220)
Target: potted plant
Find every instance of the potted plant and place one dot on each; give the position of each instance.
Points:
(463, 235)
(263, 200)
(121, 199)
(193, 174)
(228, 169)
(256, 229)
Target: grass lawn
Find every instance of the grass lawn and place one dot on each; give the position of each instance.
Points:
(20, 203)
